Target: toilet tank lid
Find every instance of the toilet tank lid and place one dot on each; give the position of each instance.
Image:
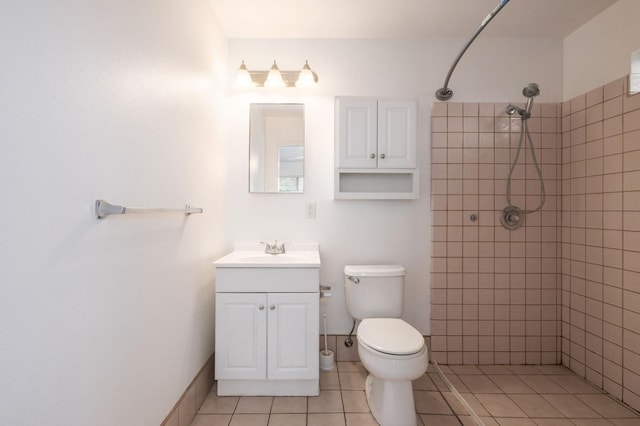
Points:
(374, 270)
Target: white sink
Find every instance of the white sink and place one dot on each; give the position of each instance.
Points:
(252, 255)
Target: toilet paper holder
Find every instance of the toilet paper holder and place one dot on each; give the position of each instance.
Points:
(325, 291)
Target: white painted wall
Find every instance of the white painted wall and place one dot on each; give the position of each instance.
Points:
(106, 322)
(356, 232)
(600, 51)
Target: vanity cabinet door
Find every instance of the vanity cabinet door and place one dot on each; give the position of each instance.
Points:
(241, 336)
(397, 134)
(357, 128)
(293, 344)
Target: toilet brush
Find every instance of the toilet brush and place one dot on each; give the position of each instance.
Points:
(324, 326)
(326, 356)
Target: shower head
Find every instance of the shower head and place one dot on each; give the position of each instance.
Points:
(531, 90)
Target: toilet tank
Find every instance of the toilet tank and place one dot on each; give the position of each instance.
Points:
(374, 291)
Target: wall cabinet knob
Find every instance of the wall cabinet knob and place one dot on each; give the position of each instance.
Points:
(372, 156)
(382, 156)
(261, 307)
(272, 307)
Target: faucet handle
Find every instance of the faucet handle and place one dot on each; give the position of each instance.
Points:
(270, 248)
(267, 246)
(273, 248)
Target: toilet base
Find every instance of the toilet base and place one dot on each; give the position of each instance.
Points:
(391, 401)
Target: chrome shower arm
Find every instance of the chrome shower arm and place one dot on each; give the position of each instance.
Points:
(444, 94)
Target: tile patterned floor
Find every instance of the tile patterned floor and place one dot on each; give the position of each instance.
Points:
(500, 395)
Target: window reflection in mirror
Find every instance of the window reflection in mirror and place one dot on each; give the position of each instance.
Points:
(634, 75)
(276, 148)
(290, 168)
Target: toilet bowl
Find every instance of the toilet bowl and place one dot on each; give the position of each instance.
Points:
(395, 354)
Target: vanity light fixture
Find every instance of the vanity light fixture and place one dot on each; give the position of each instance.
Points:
(243, 79)
(306, 78)
(274, 77)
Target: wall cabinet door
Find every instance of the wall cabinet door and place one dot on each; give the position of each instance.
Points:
(241, 336)
(376, 134)
(293, 336)
(397, 134)
(357, 131)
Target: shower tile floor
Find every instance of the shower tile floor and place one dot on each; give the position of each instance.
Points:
(501, 395)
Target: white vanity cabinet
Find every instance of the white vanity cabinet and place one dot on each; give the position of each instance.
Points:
(376, 148)
(267, 328)
(267, 336)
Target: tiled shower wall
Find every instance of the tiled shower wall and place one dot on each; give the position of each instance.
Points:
(601, 239)
(566, 286)
(494, 293)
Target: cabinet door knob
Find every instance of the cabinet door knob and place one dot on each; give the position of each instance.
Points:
(261, 307)
(382, 156)
(372, 156)
(272, 307)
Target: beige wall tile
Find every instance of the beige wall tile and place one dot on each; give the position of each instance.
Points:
(578, 103)
(632, 121)
(439, 109)
(613, 89)
(631, 103)
(612, 107)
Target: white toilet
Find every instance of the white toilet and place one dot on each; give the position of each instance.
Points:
(391, 350)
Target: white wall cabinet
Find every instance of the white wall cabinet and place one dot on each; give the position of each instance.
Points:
(376, 148)
(376, 134)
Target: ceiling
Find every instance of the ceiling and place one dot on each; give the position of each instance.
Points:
(402, 18)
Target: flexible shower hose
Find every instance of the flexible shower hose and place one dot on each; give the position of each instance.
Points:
(524, 132)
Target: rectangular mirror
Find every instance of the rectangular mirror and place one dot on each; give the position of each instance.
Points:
(276, 148)
(634, 75)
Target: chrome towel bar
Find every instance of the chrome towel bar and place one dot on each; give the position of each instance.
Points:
(104, 209)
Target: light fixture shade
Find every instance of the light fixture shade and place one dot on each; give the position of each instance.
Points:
(306, 78)
(274, 78)
(243, 79)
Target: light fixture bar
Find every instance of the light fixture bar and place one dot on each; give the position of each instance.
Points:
(290, 78)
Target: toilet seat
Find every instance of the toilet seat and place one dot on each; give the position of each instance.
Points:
(391, 336)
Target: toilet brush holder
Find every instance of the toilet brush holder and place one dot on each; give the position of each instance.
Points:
(327, 359)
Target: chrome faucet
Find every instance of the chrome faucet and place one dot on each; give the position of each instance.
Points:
(273, 248)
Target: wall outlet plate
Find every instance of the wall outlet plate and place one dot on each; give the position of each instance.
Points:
(310, 210)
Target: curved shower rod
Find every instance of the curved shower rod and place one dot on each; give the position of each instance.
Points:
(444, 94)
